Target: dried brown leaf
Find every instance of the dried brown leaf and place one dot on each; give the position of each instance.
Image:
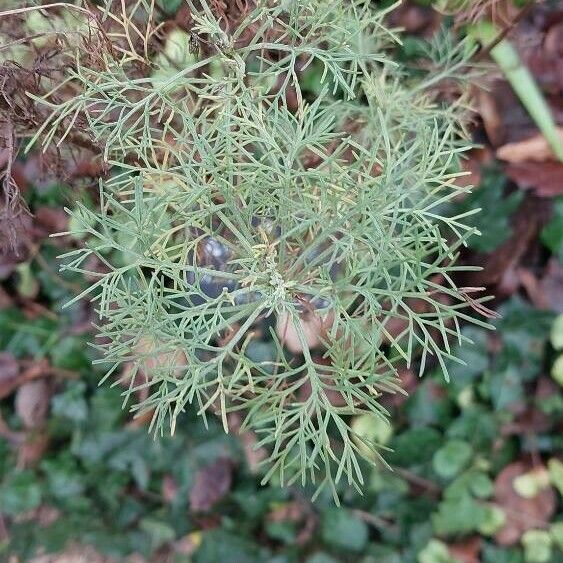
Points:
(313, 326)
(466, 551)
(211, 484)
(551, 286)
(300, 513)
(9, 371)
(544, 178)
(32, 403)
(169, 488)
(32, 449)
(535, 148)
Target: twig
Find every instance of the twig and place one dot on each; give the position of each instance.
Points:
(505, 31)
(418, 480)
(375, 521)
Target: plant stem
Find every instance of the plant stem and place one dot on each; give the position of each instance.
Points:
(522, 82)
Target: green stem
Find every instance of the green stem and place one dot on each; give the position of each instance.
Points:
(522, 82)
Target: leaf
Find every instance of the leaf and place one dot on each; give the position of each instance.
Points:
(292, 522)
(476, 358)
(551, 283)
(545, 178)
(20, 492)
(313, 326)
(522, 514)
(556, 533)
(32, 450)
(343, 531)
(170, 6)
(459, 515)
(27, 284)
(537, 546)
(211, 484)
(9, 370)
(69, 353)
(449, 460)
(557, 370)
(552, 234)
(64, 477)
(505, 387)
(219, 545)
(374, 429)
(535, 148)
(159, 532)
(466, 551)
(429, 404)
(555, 470)
(71, 404)
(528, 485)
(495, 554)
(32, 403)
(494, 520)
(556, 335)
(435, 552)
(481, 486)
(105, 409)
(496, 210)
(414, 446)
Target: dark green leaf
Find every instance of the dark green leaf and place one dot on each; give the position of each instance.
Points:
(20, 492)
(342, 530)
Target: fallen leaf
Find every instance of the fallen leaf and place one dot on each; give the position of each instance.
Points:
(9, 371)
(530, 421)
(408, 381)
(5, 299)
(51, 220)
(526, 225)
(189, 544)
(551, 286)
(472, 164)
(466, 551)
(31, 450)
(153, 357)
(546, 64)
(312, 325)
(300, 513)
(254, 456)
(211, 484)
(15, 238)
(421, 20)
(530, 282)
(544, 178)
(492, 121)
(522, 514)
(535, 148)
(32, 403)
(47, 515)
(169, 488)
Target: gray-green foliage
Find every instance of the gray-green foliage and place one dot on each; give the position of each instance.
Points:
(329, 212)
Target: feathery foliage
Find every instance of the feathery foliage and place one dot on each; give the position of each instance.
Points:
(230, 208)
